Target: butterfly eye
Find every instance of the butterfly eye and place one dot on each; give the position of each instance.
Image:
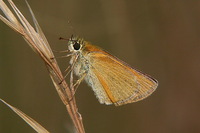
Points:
(76, 46)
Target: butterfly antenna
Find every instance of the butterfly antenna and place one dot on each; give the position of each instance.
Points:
(61, 38)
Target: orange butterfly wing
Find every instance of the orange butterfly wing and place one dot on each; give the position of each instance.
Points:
(117, 82)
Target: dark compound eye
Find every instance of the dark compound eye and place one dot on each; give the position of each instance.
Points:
(76, 46)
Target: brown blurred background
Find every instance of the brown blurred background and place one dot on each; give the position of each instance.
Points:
(158, 37)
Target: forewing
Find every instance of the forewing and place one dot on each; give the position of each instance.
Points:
(121, 83)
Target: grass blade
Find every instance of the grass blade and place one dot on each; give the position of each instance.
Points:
(35, 125)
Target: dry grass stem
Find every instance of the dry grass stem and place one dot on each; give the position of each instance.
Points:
(38, 42)
(35, 125)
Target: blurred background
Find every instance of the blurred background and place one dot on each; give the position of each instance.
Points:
(159, 37)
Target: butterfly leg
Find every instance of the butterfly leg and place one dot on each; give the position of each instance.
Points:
(68, 55)
(69, 69)
(74, 87)
(63, 51)
(79, 81)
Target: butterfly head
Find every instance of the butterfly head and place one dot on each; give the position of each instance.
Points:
(75, 44)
